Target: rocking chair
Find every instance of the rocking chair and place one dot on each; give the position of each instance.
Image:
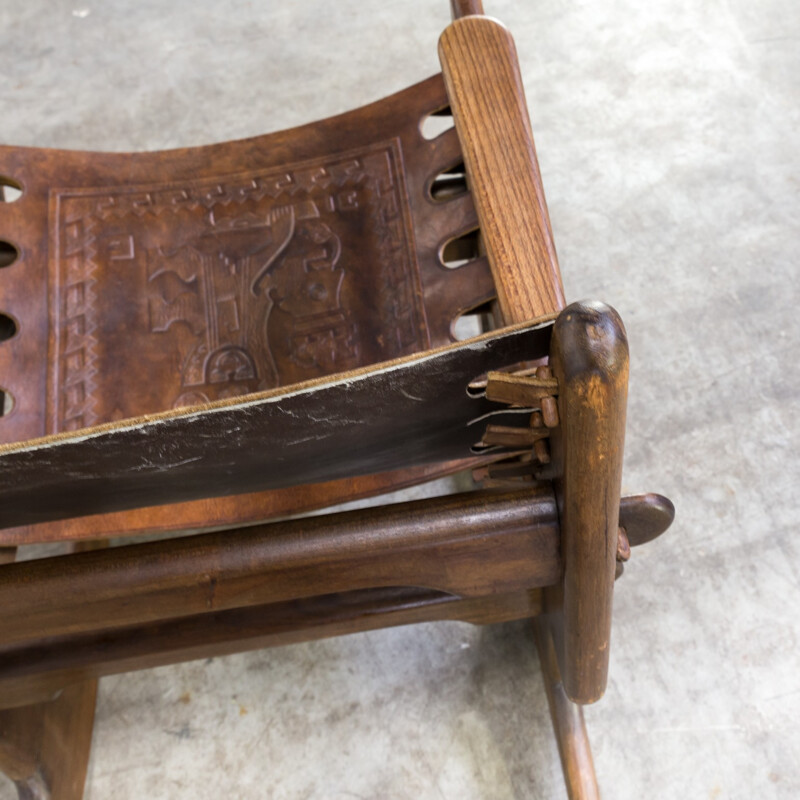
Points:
(218, 336)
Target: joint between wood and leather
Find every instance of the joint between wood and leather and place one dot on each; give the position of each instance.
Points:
(533, 388)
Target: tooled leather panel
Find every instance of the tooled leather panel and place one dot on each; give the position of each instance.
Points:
(154, 280)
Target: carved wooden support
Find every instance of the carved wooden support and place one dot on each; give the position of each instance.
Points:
(568, 723)
(33, 671)
(472, 545)
(45, 746)
(645, 517)
(589, 358)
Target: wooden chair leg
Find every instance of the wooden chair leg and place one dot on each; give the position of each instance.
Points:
(568, 723)
(44, 748)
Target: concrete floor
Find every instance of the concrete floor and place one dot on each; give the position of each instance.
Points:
(668, 141)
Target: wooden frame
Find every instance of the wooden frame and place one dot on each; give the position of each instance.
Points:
(543, 540)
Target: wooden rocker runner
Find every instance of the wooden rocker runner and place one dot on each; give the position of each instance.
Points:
(217, 336)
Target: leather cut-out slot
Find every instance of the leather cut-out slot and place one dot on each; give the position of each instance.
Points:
(6, 402)
(8, 327)
(472, 322)
(436, 123)
(477, 388)
(10, 190)
(461, 249)
(484, 449)
(8, 254)
(449, 183)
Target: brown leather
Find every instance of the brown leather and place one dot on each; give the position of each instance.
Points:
(156, 280)
(150, 281)
(229, 512)
(398, 414)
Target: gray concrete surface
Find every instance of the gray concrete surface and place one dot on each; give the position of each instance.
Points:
(668, 140)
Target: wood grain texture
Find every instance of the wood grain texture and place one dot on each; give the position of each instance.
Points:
(34, 671)
(481, 73)
(471, 545)
(45, 740)
(589, 358)
(44, 748)
(568, 723)
(464, 8)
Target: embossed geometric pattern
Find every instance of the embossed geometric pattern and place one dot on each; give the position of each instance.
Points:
(250, 288)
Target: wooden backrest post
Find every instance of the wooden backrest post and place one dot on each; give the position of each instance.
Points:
(484, 86)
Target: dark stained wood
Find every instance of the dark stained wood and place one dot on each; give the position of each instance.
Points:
(645, 517)
(474, 544)
(623, 545)
(32, 671)
(45, 747)
(589, 358)
(398, 414)
(463, 8)
(20, 735)
(568, 723)
(481, 73)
